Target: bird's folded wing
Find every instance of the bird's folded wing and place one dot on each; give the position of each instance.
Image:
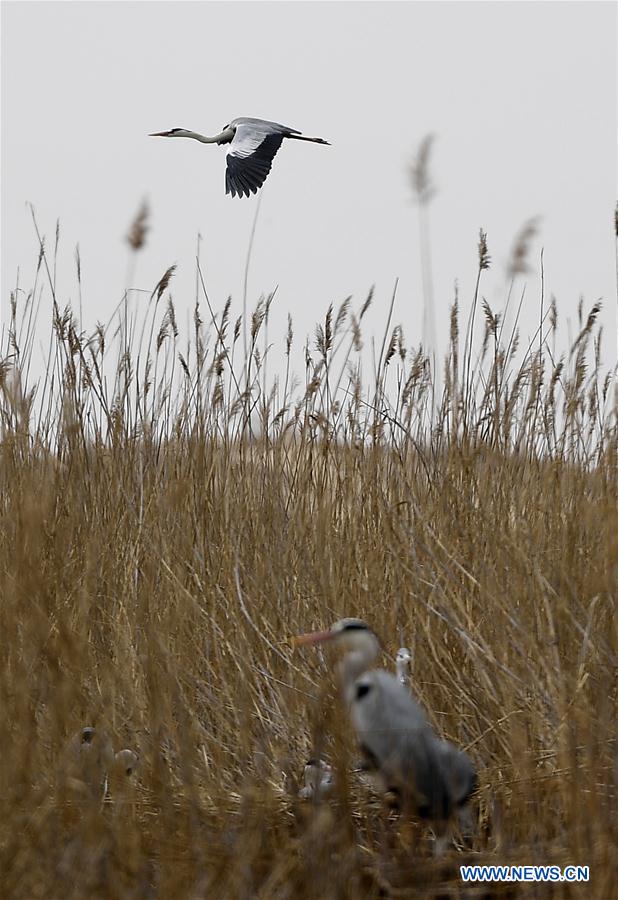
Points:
(249, 160)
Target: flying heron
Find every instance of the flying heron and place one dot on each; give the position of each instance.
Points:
(253, 144)
(399, 747)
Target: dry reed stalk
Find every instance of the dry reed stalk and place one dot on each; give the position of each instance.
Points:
(153, 565)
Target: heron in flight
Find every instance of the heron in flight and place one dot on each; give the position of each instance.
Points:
(253, 144)
(399, 747)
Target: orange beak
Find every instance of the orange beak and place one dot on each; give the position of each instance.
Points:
(315, 637)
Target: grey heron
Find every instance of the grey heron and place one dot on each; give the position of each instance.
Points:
(125, 762)
(253, 144)
(90, 761)
(403, 662)
(318, 779)
(399, 747)
(317, 772)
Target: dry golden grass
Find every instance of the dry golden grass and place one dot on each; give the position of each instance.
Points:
(164, 532)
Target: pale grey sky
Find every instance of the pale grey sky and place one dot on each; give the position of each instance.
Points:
(521, 98)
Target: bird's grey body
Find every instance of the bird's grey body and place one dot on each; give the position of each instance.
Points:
(399, 745)
(457, 768)
(263, 125)
(253, 144)
(459, 773)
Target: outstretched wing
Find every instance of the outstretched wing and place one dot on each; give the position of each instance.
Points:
(249, 159)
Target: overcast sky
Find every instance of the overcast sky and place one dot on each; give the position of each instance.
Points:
(520, 96)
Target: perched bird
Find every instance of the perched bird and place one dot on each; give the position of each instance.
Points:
(88, 757)
(89, 762)
(403, 662)
(318, 779)
(454, 764)
(126, 762)
(253, 144)
(399, 747)
(317, 771)
(120, 774)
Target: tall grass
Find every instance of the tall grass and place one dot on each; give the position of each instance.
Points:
(171, 515)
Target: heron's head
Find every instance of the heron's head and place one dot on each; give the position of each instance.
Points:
(87, 735)
(316, 763)
(175, 132)
(404, 656)
(126, 761)
(92, 745)
(403, 665)
(347, 634)
(318, 778)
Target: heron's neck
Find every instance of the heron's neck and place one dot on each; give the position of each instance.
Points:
(354, 664)
(202, 138)
(402, 671)
(224, 137)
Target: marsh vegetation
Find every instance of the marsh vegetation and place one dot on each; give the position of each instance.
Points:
(171, 515)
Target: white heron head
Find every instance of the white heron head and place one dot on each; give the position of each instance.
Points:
(318, 779)
(348, 634)
(92, 744)
(317, 770)
(126, 762)
(87, 735)
(404, 656)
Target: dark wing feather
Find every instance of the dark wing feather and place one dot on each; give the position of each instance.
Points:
(246, 172)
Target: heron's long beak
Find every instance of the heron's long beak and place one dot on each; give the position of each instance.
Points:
(315, 637)
(160, 134)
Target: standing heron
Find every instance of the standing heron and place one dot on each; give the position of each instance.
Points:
(89, 762)
(403, 664)
(400, 749)
(318, 774)
(318, 779)
(253, 144)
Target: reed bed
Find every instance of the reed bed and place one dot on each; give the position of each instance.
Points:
(171, 516)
